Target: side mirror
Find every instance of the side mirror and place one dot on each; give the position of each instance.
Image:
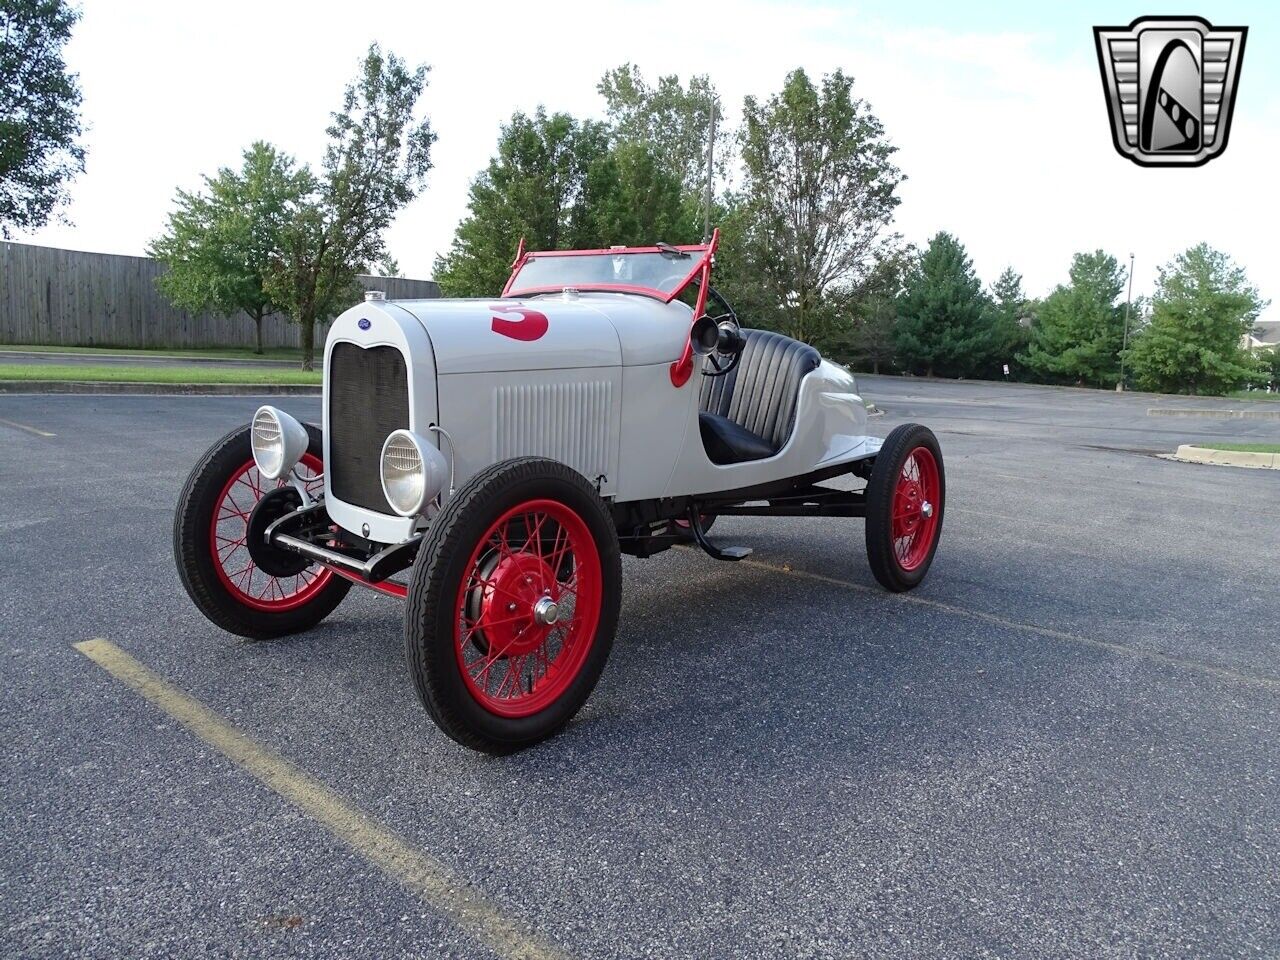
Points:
(704, 335)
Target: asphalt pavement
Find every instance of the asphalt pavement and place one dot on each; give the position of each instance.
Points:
(1065, 743)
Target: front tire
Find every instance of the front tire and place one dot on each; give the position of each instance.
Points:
(513, 604)
(906, 497)
(210, 531)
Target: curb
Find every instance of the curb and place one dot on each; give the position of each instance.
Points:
(1210, 412)
(1190, 453)
(161, 389)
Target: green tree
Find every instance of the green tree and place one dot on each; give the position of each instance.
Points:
(869, 341)
(561, 183)
(220, 241)
(377, 160)
(532, 188)
(39, 112)
(1079, 330)
(1269, 360)
(943, 314)
(1010, 309)
(1202, 308)
(818, 195)
(672, 120)
(630, 198)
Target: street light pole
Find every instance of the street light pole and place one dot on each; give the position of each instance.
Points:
(1127, 301)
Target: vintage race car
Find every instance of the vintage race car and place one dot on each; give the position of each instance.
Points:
(489, 460)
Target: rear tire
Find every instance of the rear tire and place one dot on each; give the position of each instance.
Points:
(513, 604)
(906, 497)
(209, 532)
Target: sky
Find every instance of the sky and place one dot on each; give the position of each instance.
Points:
(997, 111)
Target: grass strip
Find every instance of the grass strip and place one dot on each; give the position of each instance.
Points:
(116, 373)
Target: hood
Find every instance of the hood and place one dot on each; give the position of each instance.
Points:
(492, 336)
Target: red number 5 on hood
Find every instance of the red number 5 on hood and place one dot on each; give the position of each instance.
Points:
(532, 325)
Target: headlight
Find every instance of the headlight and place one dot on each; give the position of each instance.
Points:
(413, 472)
(278, 442)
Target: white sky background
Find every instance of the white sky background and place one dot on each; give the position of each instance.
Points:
(1003, 135)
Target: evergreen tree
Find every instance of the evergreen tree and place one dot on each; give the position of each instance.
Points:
(943, 313)
(1009, 335)
(1202, 308)
(1079, 330)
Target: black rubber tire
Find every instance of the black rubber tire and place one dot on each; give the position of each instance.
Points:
(880, 489)
(430, 619)
(191, 551)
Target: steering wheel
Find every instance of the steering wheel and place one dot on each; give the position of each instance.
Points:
(728, 350)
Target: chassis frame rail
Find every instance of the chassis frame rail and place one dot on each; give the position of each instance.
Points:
(812, 502)
(299, 531)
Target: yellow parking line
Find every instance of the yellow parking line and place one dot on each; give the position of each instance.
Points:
(421, 874)
(1183, 663)
(23, 426)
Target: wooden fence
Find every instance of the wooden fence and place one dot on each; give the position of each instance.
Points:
(68, 298)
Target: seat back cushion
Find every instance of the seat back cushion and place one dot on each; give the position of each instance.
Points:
(761, 392)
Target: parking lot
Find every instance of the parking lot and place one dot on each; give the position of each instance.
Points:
(1066, 743)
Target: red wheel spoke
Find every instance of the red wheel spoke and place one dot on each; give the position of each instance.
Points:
(509, 677)
(228, 535)
(490, 585)
(519, 560)
(557, 559)
(535, 535)
(913, 509)
(492, 624)
(557, 551)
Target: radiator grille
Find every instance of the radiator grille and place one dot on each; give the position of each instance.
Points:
(368, 398)
(568, 422)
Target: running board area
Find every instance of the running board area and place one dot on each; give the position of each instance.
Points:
(718, 553)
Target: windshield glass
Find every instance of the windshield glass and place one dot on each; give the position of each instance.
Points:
(662, 274)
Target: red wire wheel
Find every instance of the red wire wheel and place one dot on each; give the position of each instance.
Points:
(210, 534)
(228, 533)
(905, 501)
(528, 608)
(915, 510)
(513, 604)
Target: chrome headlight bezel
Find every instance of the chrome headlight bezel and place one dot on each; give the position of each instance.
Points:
(412, 472)
(277, 440)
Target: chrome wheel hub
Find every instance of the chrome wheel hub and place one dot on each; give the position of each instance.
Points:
(546, 611)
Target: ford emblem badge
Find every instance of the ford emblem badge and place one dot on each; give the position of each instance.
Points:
(364, 324)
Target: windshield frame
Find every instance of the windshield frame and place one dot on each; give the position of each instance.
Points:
(704, 254)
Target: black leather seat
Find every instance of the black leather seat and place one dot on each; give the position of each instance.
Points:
(749, 413)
